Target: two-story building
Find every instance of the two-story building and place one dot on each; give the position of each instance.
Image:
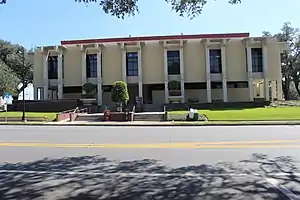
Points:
(163, 69)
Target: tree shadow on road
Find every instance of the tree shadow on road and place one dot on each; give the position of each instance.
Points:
(95, 177)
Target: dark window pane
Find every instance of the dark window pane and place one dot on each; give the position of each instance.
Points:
(215, 61)
(257, 59)
(91, 65)
(132, 64)
(52, 67)
(173, 62)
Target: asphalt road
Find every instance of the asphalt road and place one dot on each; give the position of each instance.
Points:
(42, 162)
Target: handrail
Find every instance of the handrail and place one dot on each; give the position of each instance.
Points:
(67, 111)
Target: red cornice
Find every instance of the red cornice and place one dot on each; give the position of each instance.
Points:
(149, 38)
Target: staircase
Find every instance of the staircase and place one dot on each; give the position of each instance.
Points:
(149, 116)
(90, 117)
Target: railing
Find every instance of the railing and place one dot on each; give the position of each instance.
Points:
(132, 115)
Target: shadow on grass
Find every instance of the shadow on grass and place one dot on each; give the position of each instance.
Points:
(90, 178)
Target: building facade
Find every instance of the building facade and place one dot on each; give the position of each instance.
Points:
(163, 69)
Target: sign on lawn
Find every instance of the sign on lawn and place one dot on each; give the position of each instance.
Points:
(4, 101)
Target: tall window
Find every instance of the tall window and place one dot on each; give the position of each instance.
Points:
(53, 67)
(257, 59)
(91, 65)
(215, 61)
(173, 62)
(132, 62)
(63, 66)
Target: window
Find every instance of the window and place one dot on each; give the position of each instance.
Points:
(257, 59)
(132, 64)
(215, 61)
(91, 65)
(173, 62)
(52, 67)
(63, 66)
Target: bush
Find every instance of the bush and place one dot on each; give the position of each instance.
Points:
(119, 93)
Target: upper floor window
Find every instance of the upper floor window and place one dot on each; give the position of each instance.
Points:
(173, 58)
(215, 61)
(91, 65)
(63, 66)
(132, 63)
(257, 59)
(52, 67)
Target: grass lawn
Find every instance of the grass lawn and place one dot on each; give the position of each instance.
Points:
(48, 116)
(284, 113)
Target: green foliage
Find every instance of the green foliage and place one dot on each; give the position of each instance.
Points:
(174, 85)
(89, 89)
(8, 82)
(122, 8)
(12, 57)
(119, 92)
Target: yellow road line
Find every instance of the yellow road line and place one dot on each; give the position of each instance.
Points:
(151, 144)
(204, 145)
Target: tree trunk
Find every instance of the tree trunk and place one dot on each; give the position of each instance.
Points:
(286, 88)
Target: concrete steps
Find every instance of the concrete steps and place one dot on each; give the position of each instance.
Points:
(90, 117)
(149, 116)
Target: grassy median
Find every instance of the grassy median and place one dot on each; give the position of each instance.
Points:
(48, 116)
(248, 114)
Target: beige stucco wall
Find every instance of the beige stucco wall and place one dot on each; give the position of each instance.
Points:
(236, 61)
(153, 63)
(38, 71)
(194, 61)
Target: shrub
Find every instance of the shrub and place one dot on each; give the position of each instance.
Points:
(119, 93)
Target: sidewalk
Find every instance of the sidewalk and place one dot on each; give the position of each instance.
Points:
(154, 123)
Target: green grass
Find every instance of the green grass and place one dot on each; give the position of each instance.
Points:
(263, 114)
(47, 116)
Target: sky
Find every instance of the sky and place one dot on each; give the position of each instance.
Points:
(46, 22)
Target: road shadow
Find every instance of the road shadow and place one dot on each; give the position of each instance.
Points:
(95, 177)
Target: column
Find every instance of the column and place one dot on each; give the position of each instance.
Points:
(224, 71)
(207, 69)
(124, 74)
(140, 73)
(83, 68)
(59, 77)
(46, 83)
(250, 76)
(279, 89)
(265, 71)
(35, 93)
(182, 72)
(166, 74)
(274, 90)
(99, 79)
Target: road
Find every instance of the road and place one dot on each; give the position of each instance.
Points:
(39, 162)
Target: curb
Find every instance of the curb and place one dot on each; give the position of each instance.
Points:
(152, 125)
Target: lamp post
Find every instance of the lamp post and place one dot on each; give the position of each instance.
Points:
(23, 84)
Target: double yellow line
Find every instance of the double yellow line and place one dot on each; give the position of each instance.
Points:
(187, 145)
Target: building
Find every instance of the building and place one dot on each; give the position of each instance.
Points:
(163, 69)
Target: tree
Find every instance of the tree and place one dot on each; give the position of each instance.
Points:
(290, 65)
(119, 93)
(122, 8)
(12, 56)
(8, 81)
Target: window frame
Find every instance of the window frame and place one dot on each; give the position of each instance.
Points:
(52, 67)
(215, 61)
(132, 63)
(173, 62)
(91, 65)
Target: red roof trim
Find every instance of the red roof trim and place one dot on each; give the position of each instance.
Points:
(149, 38)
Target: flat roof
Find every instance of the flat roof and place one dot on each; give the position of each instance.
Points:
(151, 38)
